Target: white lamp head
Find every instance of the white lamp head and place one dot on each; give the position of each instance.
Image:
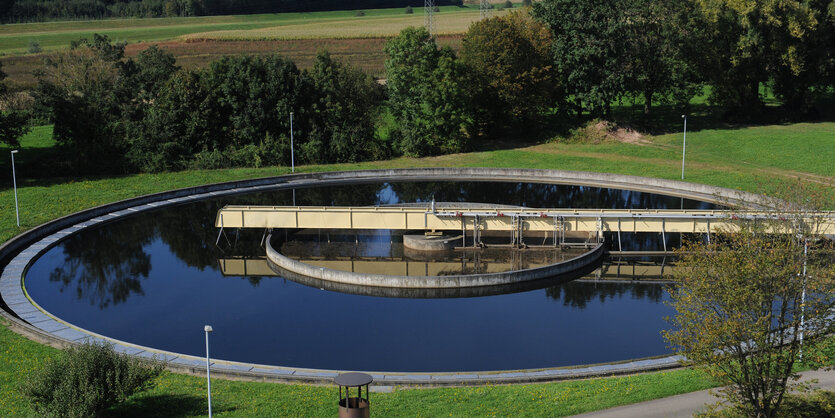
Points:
(14, 151)
(207, 328)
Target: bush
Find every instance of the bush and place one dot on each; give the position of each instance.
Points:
(508, 4)
(34, 47)
(87, 379)
(527, 3)
(359, 13)
(409, 10)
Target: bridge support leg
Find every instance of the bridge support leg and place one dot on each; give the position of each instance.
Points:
(218, 236)
(620, 243)
(475, 230)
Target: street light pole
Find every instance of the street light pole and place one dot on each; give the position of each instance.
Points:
(208, 329)
(684, 146)
(14, 181)
(292, 157)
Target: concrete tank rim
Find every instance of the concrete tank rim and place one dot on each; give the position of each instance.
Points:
(15, 269)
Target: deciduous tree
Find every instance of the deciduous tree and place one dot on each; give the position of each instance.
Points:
(606, 50)
(13, 122)
(509, 60)
(345, 100)
(746, 301)
(752, 41)
(79, 86)
(427, 94)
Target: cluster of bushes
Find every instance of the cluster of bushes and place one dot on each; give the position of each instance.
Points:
(36, 10)
(145, 114)
(85, 380)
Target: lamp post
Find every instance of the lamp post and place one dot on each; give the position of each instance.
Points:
(684, 146)
(292, 157)
(14, 181)
(208, 329)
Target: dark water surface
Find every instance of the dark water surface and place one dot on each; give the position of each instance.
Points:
(154, 279)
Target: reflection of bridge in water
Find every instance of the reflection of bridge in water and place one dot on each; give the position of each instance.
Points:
(614, 269)
(518, 223)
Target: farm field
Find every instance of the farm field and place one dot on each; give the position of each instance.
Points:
(15, 38)
(197, 41)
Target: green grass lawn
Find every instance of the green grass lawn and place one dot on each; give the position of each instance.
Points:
(180, 395)
(742, 158)
(15, 38)
(747, 158)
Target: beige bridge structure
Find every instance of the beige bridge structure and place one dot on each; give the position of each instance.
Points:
(515, 221)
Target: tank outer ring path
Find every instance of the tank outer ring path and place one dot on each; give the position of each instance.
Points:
(25, 317)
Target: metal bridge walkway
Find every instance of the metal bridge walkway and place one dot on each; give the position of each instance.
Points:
(499, 219)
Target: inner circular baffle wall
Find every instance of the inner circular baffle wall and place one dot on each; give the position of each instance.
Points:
(27, 318)
(433, 282)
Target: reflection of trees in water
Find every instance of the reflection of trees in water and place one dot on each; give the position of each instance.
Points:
(106, 264)
(579, 294)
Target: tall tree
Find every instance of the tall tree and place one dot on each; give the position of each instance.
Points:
(79, 86)
(345, 100)
(662, 40)
(13, 122)
(751, 41)
(426, 94)
(589, 49)
(509, 59)
(746, 301)
(606, 50)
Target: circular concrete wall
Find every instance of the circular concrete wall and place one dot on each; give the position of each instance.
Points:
(434, 282)
(27, 318)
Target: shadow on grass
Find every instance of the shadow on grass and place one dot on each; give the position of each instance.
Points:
(163, 406)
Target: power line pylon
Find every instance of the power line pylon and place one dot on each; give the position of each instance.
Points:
(428, 15)
(485, 8)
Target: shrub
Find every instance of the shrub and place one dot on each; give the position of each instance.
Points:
(359, 13)
(34, 47)
(508, 4)
(527, 3)
(409, 10)
(436, 9)
(87, 379)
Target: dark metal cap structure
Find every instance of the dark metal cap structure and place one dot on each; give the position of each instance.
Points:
(353, 379)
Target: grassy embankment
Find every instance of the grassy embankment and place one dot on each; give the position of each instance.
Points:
(178, 395)
(742, 158)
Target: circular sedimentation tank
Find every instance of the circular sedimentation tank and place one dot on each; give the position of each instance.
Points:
(23, 256)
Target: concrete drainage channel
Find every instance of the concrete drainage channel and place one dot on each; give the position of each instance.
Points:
(29, 319)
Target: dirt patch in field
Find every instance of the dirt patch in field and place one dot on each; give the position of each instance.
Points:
(622, 133)
(598, 131)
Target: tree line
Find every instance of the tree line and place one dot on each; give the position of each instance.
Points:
(39, 10)
(559, 62)
(146, 114)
